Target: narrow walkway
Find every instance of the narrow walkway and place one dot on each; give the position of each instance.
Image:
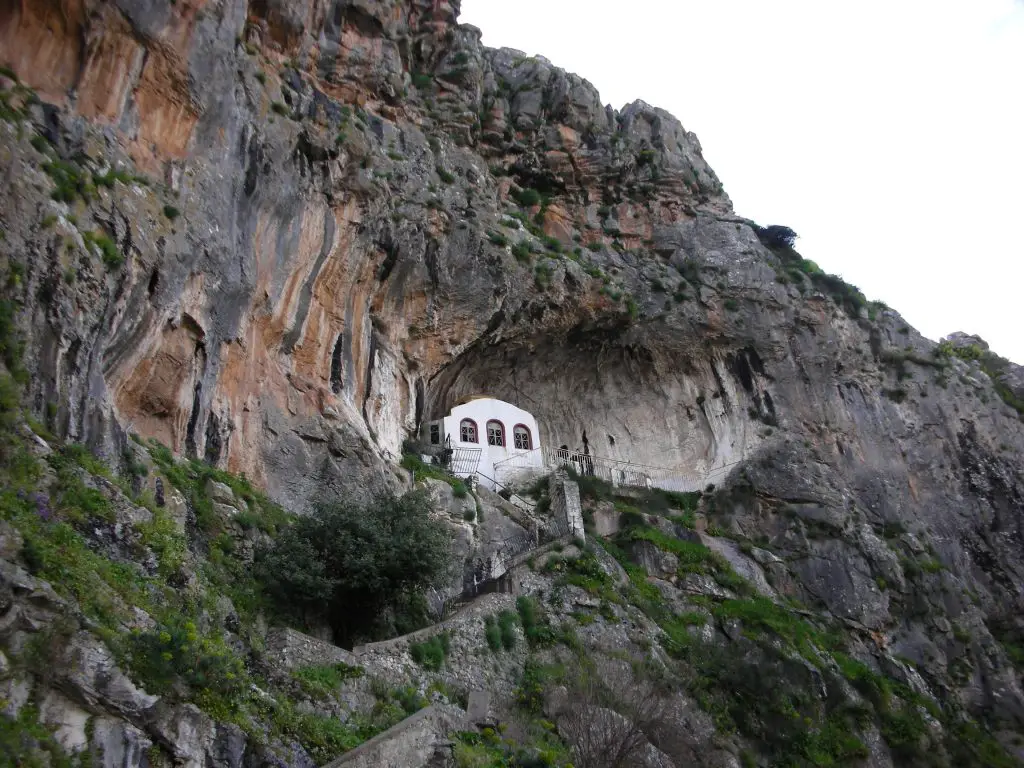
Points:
(465, 602)
(614, 471)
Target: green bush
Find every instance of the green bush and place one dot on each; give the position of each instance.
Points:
(171, 212)
(632, 308)
(108, 179)
(352, 565)
(112, 257)
(497, 238)
(759, 614)
(534, 682)
(507, 621)
(492, 633)
(321, 680)
(430, 654)
(175, 650)
(535, 623)
(27, 743)
(527, 197)
(71, 182)
(521, 251)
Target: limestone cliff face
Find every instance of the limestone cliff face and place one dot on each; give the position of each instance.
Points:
(338, 168)
(336, 218)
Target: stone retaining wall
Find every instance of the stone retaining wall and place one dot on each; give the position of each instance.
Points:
(565, 503)
(422, 634)
(294, 649)
(410, 743)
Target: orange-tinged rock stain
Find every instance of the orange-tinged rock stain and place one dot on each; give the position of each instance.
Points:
(41, 40)
(109, 72)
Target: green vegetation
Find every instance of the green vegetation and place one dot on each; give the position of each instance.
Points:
(500, 631)
(112, 257)
(521, 251)
(430, 654)
(492, 633)
(552, 243)
(321, 680)
(184, 656)
(535, 679)
(992, 364)
(71, 182)
(192, 477)
(527, 197)
(497, 238)
(536, 625)
(797, 269)
(171, 212)
(422, 471)
(445, 176)
(488, 749)
(108, 179)
(693, 557)
(361, 568)
(542, 275)
(632, 308)
(26, 743)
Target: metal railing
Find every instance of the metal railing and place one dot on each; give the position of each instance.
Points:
(461, 461)
(520, 464)
(477, 584)
(627, 473)
(513, 498)
(614, 471)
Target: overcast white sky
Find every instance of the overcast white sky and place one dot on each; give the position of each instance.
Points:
(888, 133)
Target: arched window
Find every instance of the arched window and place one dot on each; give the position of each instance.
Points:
(495, 433)
(467, 431)
(523, 440)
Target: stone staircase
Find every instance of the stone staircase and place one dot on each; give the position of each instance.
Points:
(422, 738)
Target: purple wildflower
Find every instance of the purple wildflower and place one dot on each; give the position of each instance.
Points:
(42, 502)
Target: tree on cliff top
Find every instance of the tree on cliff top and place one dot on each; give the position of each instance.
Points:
(776, 236)
(359, 568)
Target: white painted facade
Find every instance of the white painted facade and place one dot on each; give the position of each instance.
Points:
(499, 429)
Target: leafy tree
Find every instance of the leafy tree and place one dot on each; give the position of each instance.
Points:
(360, 568)
(776, 236)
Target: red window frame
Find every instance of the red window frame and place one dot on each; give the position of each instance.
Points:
(529, 437)
(501, 433)
(476, 431)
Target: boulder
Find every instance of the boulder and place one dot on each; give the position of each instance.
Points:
(89, 673)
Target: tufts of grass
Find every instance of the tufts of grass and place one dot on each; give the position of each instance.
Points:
(321, 680)
(111, 255)
(430, 654)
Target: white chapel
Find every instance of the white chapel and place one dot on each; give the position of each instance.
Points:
(494, 440)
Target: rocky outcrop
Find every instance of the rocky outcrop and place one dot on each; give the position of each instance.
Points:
(309, 253)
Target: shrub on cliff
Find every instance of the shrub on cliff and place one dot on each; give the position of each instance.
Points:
(776, 236)
(359, 568)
